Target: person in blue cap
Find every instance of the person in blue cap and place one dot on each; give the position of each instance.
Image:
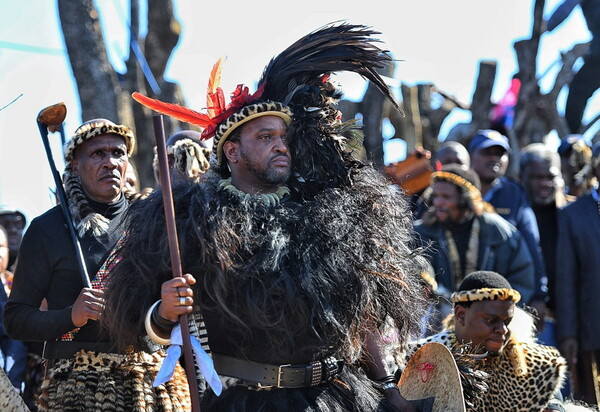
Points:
(490, 150)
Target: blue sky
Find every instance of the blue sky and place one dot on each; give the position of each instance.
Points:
(438, 42)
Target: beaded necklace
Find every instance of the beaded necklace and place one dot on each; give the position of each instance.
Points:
(471, 256)
(268, 199)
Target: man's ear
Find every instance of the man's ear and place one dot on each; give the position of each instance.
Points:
(231, 151)
(459, 314)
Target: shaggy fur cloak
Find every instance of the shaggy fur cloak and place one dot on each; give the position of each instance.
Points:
(291, 283)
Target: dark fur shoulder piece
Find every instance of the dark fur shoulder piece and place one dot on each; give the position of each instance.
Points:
(144, 259)
(326, 161)
(473, 378)
(361, 235)
(331, 265)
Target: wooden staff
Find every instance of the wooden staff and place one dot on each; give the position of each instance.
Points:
(51, 119)
(165, 182)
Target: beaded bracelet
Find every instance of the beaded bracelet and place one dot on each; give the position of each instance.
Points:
(388, 385)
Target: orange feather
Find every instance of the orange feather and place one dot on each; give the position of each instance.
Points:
(213, 104)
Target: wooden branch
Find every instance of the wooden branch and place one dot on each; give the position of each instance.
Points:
(590, 124)
(398, 120)
(566, 73)
(88, 58)
(409, 132)
(481, 102)
(529, 95)
(163, 35)
(538, 19)
(563, 78)
(452, 99)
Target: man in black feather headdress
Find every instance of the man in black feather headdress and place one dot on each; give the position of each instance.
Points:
(295, 253)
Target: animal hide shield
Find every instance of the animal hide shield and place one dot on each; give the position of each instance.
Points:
(9, 398)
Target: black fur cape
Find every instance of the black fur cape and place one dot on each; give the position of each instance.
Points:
(290, 283)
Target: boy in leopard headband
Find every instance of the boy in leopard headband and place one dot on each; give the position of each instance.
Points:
(85, 369)
(294, 251)
(486, 323)
(464, 234)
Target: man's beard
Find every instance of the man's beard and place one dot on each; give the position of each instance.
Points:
(454, 221)
(268, 174)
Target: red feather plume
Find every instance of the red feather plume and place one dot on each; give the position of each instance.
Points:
(174, 110)
(217, 110)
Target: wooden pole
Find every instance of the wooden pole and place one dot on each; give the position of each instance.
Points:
(165, 182)
(51, 119)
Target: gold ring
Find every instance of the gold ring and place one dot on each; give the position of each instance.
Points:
(182, 301)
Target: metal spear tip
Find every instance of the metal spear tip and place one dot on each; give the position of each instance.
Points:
(53, 116)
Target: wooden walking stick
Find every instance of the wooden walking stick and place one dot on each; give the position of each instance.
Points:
(51, 119)
(165, 182)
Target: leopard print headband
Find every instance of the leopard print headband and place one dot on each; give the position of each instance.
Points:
(244, 115)
(96, 128)
(476, 295)
(457, 180)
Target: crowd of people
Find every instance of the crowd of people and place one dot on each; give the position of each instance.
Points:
(469, 186)
(310, 280)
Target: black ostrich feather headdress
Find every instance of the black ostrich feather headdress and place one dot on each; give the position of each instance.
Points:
(332, 48)
(295, 86)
